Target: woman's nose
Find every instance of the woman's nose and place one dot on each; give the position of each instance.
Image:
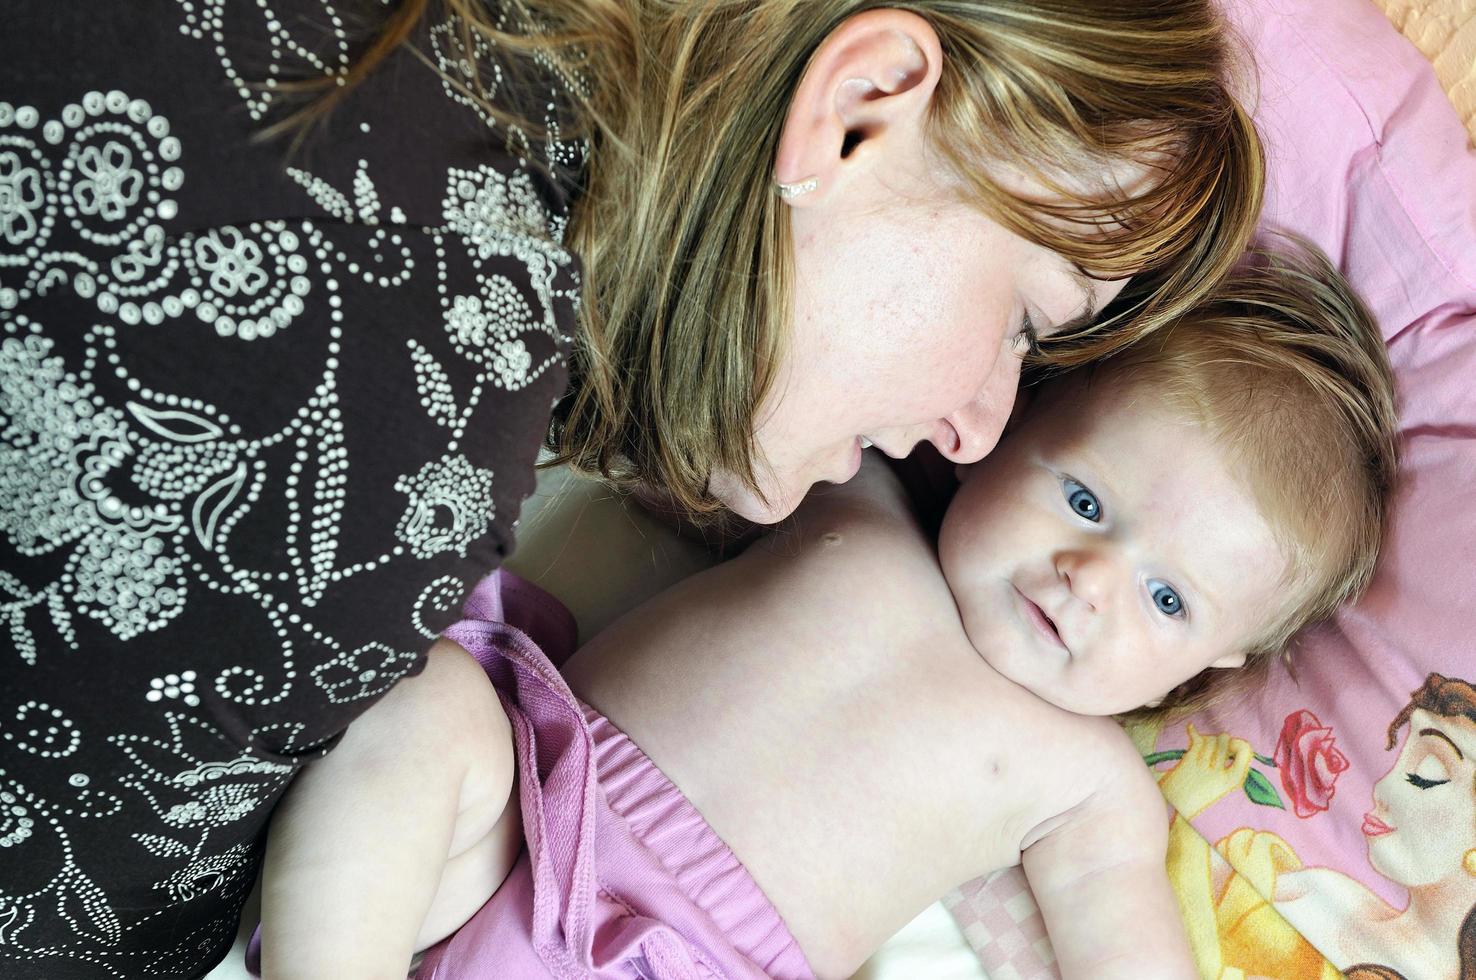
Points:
(968, 434)
(1089, 574)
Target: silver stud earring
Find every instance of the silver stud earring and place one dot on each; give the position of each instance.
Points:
(790, 191)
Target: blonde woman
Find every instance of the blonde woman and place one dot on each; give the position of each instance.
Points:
(287, 289)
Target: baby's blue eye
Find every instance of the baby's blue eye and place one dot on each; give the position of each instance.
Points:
(1083, 502)
(1167, 601)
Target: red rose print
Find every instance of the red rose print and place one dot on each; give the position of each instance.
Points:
(1309, 762)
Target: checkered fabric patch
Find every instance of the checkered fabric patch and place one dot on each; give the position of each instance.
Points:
(1001, 922)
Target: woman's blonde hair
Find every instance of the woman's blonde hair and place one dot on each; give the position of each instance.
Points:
(1286, 369)
(685, 246)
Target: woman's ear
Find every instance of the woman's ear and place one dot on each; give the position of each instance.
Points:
(862, 102)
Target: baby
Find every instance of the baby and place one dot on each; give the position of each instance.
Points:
(771, 767)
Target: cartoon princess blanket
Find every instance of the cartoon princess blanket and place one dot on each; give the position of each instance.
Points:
(1276, 895)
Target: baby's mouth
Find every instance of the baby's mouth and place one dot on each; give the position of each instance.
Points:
(1044, 625)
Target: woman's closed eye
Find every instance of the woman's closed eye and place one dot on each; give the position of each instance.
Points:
(1081, 500)
(1028, 337)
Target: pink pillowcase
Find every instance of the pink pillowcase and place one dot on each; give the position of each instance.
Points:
(1367, 159)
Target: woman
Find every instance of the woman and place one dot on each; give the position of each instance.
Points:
(271, 405)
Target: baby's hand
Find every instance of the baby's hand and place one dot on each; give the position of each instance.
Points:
(1212, 766)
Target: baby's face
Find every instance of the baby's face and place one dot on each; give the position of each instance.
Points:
(1105, 553)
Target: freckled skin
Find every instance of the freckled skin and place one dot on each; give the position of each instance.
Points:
(905, 330)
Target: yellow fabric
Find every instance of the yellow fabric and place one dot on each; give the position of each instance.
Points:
(1445, 32)
(1235, 932)
(1253, 934)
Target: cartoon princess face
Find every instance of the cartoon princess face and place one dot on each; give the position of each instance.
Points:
(1424, 816)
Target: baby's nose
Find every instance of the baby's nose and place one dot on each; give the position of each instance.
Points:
(1089, 575)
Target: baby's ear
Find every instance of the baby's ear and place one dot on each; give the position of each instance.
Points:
(1230, 660)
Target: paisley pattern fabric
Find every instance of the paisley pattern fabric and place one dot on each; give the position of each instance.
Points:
(265, 416)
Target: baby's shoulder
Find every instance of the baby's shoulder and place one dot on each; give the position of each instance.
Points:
(1091, 758)
(873, 506)
(861, 541)
(1072, 777)
(1086, 740)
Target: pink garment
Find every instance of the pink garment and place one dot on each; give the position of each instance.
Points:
(621, 876)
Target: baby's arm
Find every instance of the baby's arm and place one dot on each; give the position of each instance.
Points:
(1099, 878)
(397, 836)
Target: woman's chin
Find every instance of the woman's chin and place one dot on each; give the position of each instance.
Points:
(747, 504)
(759, 512)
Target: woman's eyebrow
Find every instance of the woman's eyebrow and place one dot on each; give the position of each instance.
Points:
(1437, 733)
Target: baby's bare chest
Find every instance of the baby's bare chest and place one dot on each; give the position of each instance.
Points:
(825, 761)
(852, 748)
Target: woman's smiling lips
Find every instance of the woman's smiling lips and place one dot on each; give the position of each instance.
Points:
(1374, 827)
(1040, 621)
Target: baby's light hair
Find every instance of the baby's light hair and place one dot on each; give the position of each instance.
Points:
(1287, 369)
